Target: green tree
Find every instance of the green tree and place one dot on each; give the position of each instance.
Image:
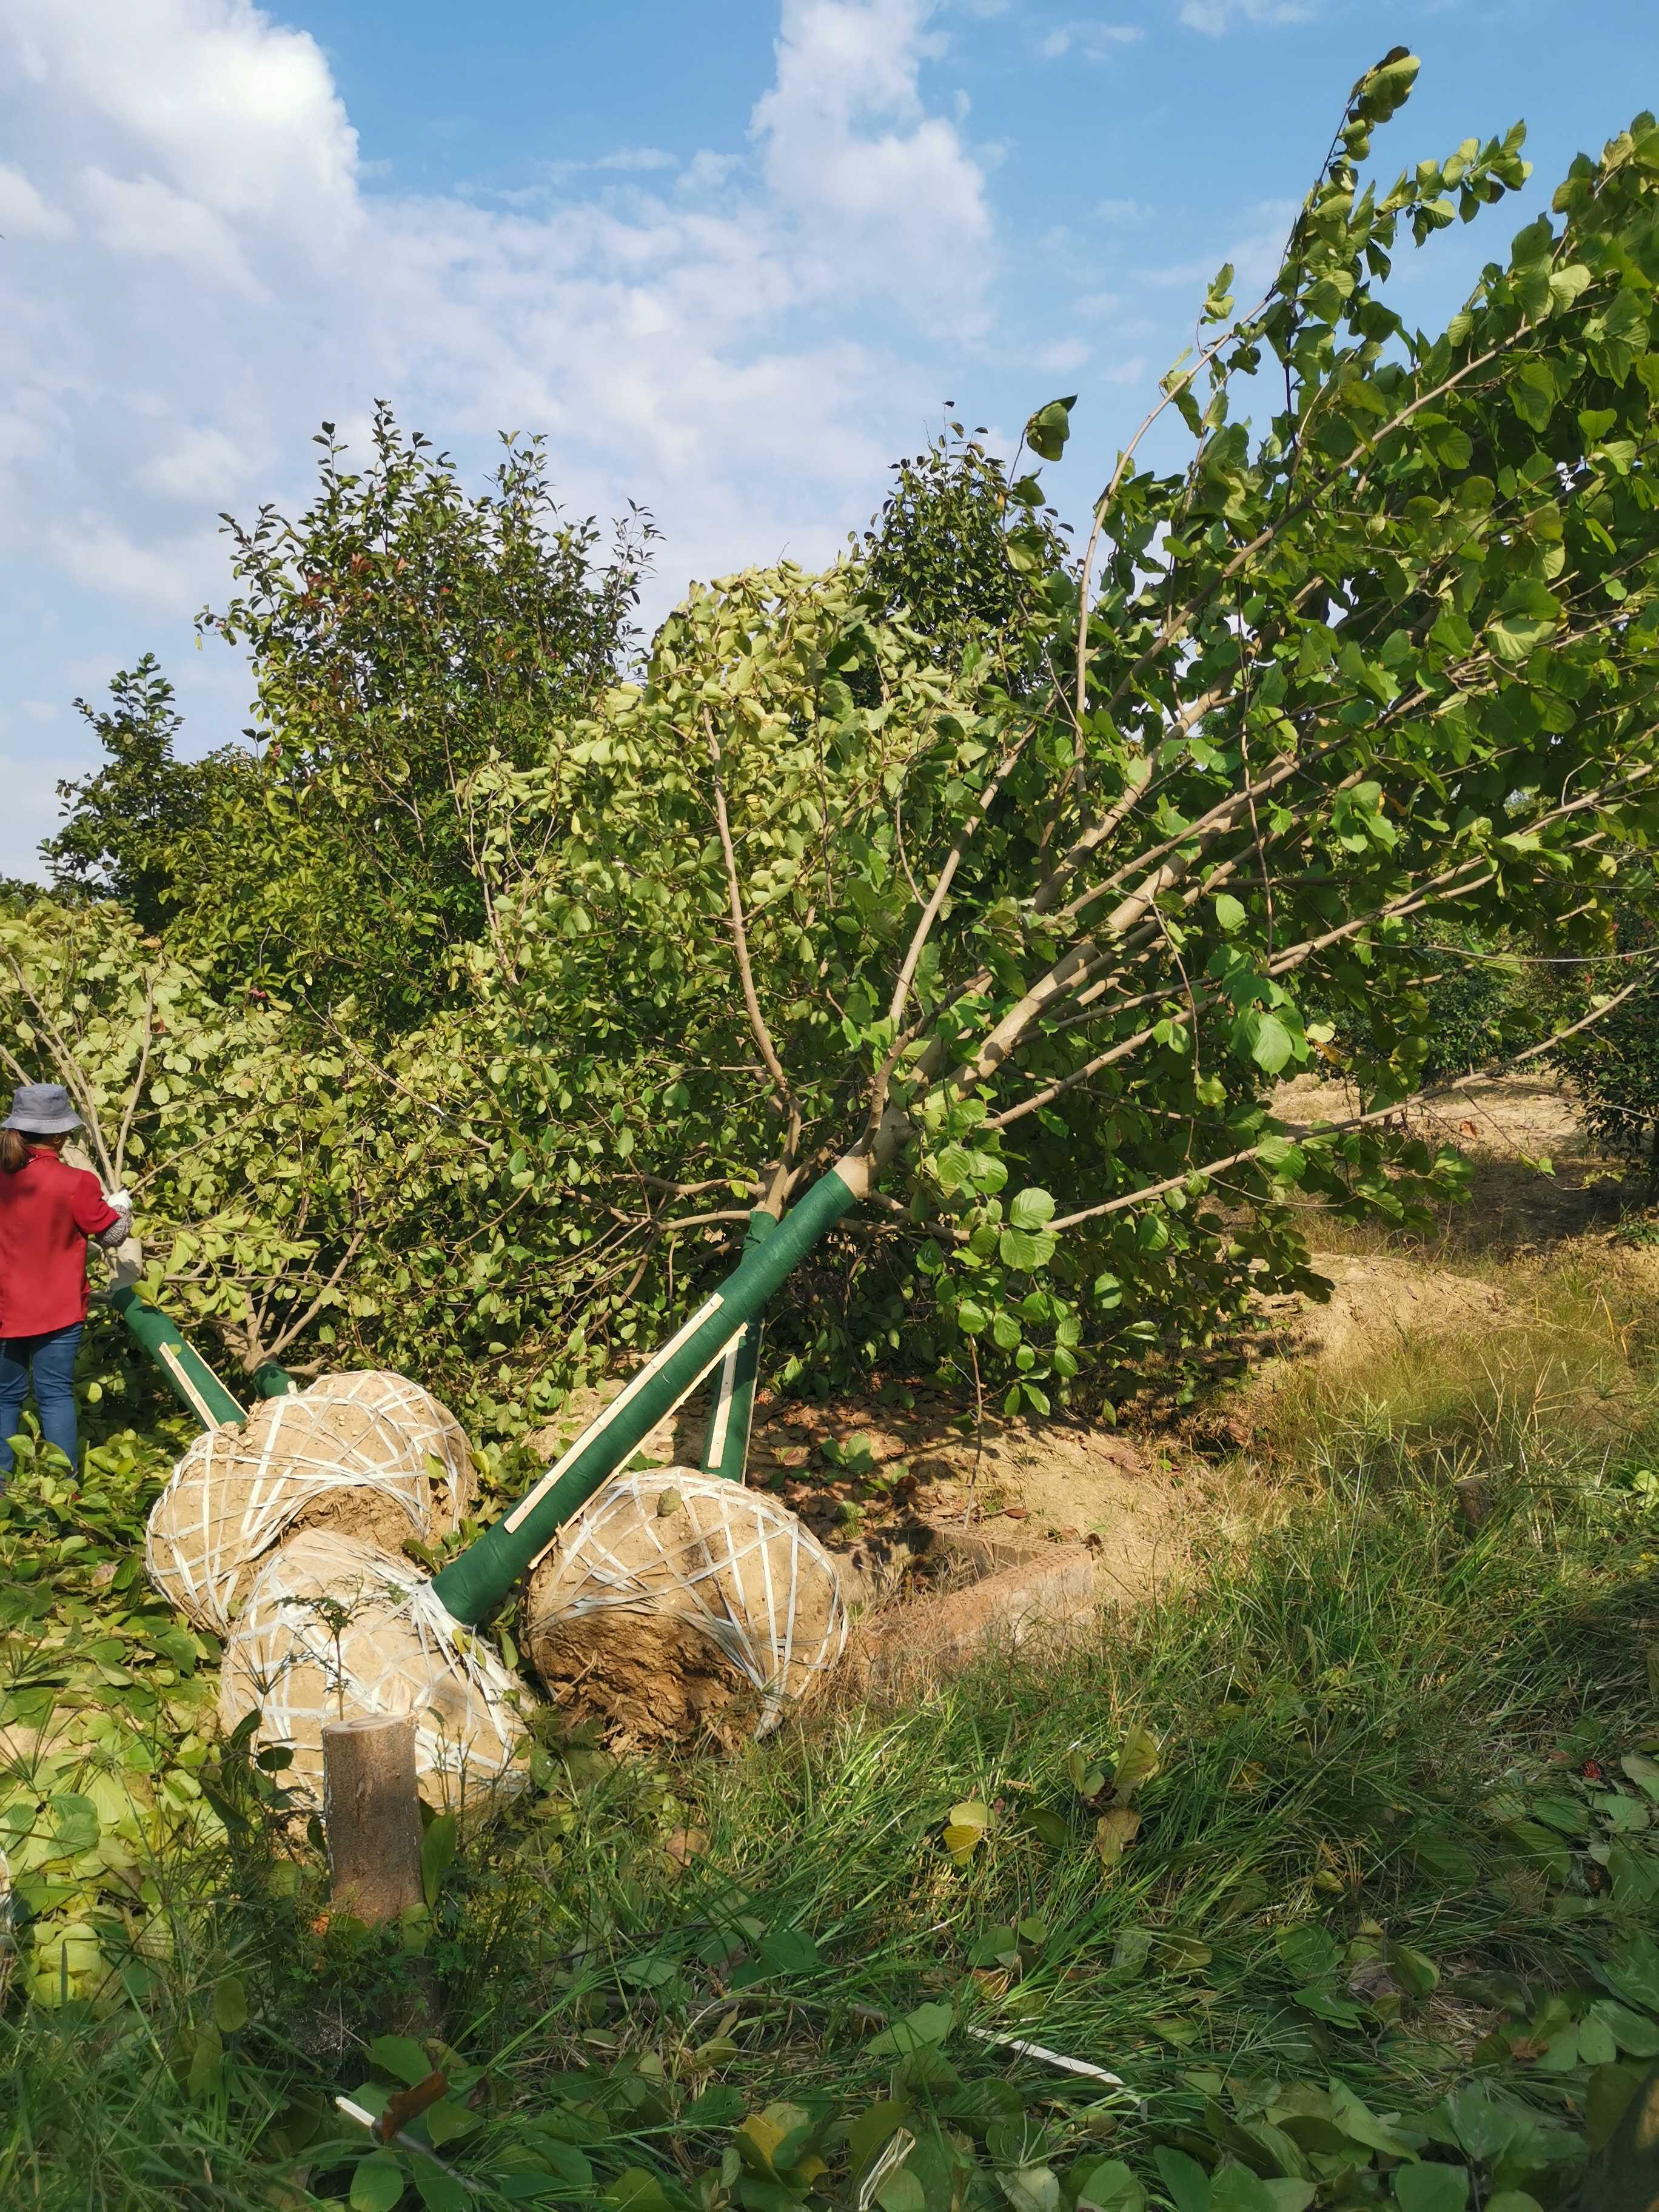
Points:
(941, 557)
(130, 821)
(1021, 939)
(411, 645)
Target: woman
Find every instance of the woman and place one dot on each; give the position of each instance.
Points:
(47, 1212)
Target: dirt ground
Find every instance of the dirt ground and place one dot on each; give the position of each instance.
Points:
(1132, 1499)
(1140, 1500)
(1534, 1179)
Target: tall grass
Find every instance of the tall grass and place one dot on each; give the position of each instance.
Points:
(1337, 1701)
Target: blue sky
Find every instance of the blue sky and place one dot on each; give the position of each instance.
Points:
(730, 255)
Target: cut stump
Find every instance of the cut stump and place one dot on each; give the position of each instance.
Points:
(372, 1815)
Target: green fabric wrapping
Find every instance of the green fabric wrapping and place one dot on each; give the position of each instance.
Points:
(473, 1585)
(190, 1378)
(726, 1447)
(271, 1381)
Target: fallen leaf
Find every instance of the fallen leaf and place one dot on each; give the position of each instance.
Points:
(965, 1827)
(1113, 1831)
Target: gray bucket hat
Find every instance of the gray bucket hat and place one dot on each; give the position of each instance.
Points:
(41, 1110)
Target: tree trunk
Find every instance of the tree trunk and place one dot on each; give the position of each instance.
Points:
(372, 1815)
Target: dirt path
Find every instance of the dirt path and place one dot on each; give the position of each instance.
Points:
(1535, 1180)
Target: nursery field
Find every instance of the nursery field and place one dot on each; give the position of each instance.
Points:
(1324, 1874)
(1158, 1028)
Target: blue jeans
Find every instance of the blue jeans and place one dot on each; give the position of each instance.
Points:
(50, 1358)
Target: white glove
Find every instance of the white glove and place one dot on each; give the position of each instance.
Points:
(118, 1230)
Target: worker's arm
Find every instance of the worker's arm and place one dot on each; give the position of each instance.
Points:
(119, 1203)
(107, 1220)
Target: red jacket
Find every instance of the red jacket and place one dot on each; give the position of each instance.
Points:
(47, 1212)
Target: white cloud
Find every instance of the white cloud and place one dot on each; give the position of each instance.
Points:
(1090, 41)
(38, 710)
(887, 194)
(708, 172)
(1256, 256)
(166, 576)
(218, 281)
(24, 214)
(636, 157)
(1062, 357)
(1214, 18)
(1122, 211)
(147, 220)
(206, 467)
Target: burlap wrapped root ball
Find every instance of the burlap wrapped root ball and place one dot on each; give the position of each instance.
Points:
(332, 1628)
(424, 1422)
(308, 1461)
(676, 1607)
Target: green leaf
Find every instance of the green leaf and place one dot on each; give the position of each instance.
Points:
(230, 2005)
(1184, 2178)
(634, 2190)
(447, 2122)
(926, 2027)
(1307, 1950)
(377, 2183)
(437, 1855)
(1431, 2188)
(965, 1828)
(1633, 1972)
(901, 2191)
(74, 1825)
(437, 2190)
(401, 2057)
(1049, 427)
(1025, 1252)
(1236, 2189)
(787, 1951)
(1031, 2189)
(1272, 1045)
(1031, 1209)
(1633, 2031)
(206, 2064)
(1229, 912)
(1110, 2187)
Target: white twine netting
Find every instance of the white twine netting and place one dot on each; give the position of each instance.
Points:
(238, 1490)
(332, 1628)
(426, 1422)
(730, 1563)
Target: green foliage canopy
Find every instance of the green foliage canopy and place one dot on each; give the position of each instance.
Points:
(1017, 905)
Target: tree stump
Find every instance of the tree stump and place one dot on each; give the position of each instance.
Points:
(372, 1815)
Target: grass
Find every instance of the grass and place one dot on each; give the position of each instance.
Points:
(1390, 1854)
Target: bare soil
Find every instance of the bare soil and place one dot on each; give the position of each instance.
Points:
(1536, 1179)
(922, 1468)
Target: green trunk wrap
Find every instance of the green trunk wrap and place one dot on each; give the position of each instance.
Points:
(190, 1378)
(473, 1585)
(271, 1381)
(726, 1448)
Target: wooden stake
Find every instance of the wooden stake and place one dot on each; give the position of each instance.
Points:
(372, 1815)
